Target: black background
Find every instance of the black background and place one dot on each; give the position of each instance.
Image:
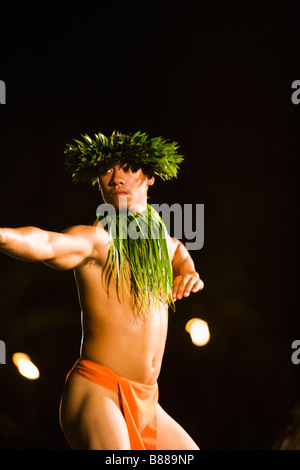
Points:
(216, 77)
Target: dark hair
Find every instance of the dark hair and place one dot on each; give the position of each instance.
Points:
(130, 165)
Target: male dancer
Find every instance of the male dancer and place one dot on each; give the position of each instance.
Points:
(110, 398)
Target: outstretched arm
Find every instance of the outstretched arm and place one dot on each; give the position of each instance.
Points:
(59, 250)
(186, 279)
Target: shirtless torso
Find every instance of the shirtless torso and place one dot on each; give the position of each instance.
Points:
(112, 336)
(111, 333)
(90, 414)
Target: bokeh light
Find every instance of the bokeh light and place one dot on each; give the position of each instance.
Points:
(25, 366)
(199, 331)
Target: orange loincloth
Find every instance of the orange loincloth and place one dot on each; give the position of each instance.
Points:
(138, 402)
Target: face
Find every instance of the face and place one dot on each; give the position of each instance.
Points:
(122, 185)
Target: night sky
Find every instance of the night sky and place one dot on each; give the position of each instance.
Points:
(215, 77)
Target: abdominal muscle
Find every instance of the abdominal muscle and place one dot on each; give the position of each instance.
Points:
(112, 334)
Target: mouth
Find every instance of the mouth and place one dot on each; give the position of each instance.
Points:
(119, 193)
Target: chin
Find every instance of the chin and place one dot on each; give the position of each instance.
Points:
(116, 203)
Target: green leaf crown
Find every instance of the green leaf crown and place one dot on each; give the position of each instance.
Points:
(84, 157)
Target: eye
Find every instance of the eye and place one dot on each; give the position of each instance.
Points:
(130, 167)
(126, 168)
(104, 169)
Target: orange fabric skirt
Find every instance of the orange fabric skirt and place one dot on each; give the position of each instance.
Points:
(138, 402)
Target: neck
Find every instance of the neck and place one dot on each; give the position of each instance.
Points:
(139, 207)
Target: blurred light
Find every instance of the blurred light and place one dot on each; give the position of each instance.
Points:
(199, 331)
(25, 366)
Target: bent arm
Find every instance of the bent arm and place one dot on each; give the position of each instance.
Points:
(186, 278)
(59, 250)
(182, 262)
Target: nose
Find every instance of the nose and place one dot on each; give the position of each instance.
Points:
(117, 177)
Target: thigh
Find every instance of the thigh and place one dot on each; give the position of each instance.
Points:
(170, 435)
(91, 418)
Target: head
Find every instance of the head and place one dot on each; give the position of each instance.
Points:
(142, 154)
(125, 183)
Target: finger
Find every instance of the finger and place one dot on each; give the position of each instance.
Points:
(175, 287)
(199, 285)
(192, 286)
(184, 286)
(188, 287)
(178, 286)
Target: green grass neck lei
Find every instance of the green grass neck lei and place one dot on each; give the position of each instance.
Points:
(139, 258)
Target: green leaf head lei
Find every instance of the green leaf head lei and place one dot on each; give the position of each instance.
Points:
(85, 156)
(141, 262)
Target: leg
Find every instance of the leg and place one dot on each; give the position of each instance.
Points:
(91, 418)
(170, 435)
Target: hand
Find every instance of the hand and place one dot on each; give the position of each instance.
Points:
(185, 284)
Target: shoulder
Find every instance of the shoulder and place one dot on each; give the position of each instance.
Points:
(95, 235)
(86, 230)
